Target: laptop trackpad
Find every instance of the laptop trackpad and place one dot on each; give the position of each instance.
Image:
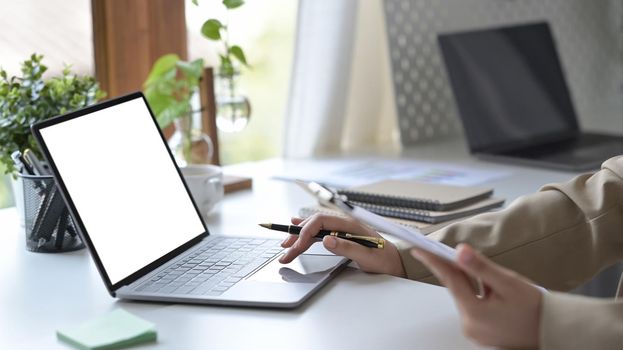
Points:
(304, 269)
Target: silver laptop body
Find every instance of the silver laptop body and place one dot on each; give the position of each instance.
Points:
(133, 210)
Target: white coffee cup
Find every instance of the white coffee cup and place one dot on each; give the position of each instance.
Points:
(205, 183)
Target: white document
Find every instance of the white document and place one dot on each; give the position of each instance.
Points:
(411, 235)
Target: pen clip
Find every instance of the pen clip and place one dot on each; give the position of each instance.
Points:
(325, 195)
(378, 241)
(21, 164)
(34, 162)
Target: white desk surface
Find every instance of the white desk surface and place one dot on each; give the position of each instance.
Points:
(42, 292)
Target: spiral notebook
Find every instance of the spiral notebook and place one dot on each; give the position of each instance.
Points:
(429, 216)
(416, 195)
(423, 227)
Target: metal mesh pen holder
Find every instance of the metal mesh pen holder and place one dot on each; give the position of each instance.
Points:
(49, 227)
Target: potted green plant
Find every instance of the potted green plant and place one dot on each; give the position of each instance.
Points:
(29, 98)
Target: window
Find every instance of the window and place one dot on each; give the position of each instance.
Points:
(37, 26)
(265, 30)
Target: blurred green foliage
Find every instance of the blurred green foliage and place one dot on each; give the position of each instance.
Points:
(215, 30)
(170, 86)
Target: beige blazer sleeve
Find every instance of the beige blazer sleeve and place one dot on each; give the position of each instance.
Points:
(559, 237)
(573, 322)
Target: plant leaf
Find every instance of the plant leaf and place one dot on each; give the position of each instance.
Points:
(237, 52)
(211, 29)
(158, 101)
(232, 4)
(226, 68)
(192, 69)
(162, 66)
(196, 2)
(172, 112)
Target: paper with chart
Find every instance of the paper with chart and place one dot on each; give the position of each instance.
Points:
(342, 173)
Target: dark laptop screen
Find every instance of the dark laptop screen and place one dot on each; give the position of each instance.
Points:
(509, 86)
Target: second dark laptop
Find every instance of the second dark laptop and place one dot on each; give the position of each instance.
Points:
(514, 102)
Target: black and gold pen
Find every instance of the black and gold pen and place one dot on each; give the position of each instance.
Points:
(371, 242)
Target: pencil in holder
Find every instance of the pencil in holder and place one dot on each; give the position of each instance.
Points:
(47, 222)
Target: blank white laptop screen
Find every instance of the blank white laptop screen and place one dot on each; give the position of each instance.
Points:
(124, 186)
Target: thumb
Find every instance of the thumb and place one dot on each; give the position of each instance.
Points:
(478, 266)
(363, 256)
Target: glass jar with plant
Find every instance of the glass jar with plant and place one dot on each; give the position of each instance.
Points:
(169, 89)
(233, 108)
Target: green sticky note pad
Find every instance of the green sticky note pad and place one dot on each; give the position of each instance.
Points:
(115, 330)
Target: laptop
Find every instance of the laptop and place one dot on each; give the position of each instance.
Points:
(138, 220)
(514, 102)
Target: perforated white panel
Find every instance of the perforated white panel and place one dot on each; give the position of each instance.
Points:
(588, 35)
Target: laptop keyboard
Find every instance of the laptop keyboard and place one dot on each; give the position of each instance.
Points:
(213, 268)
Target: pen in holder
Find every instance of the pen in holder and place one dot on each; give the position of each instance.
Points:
(48, 225)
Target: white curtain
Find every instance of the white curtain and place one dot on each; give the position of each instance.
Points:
(340, 92)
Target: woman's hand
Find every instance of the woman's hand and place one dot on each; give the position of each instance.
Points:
(507, 314)
(386, 260)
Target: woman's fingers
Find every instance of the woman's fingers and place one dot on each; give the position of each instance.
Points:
(385, 260)
(295, 220)
(289, 241)
(476, 265)
(363, 256)
(376, 260)
(311, 227)
(337, 223)
(450, 276)
(509, 319)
